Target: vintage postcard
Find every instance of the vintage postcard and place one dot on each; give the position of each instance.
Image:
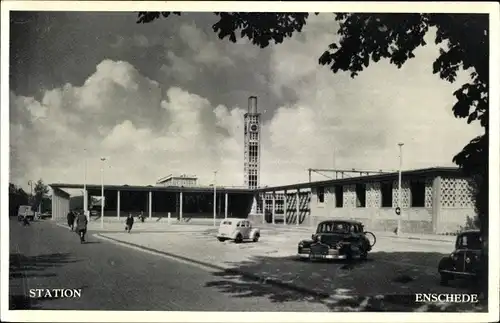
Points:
(182, 161)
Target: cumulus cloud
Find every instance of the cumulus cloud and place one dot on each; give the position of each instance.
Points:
(146, 133)
(193, 135)
(201, 51)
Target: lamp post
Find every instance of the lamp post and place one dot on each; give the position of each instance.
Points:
(399, 186)
(102, 192)
(31, 201)
(30, 183)
(215, 196)
(85, 199)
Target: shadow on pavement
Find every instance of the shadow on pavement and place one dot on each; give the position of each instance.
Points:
(387, 281)
(30, 266)
(25, 267)
(23, 302)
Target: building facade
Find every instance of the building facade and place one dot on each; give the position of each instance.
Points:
(434, 200)
(178, 181)
(183, 203)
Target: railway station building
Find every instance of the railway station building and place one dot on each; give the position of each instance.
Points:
(433, 200)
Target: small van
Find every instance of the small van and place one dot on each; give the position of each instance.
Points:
(237, 230)
(25, 211)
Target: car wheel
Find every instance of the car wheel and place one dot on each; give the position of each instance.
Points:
(238, 238)
(256, 237)
(221, 239)
(348, 254)
(363, 255)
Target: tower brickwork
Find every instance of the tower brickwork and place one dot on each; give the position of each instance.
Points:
(252, 145)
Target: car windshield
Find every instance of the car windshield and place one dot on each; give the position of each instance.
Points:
(469, 241)
(334, 227)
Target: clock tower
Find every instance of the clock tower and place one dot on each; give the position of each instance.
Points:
(252, 145)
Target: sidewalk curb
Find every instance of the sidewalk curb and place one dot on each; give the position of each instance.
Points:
(229, 271)
(304, 230)
(288, 230)
(416, 238)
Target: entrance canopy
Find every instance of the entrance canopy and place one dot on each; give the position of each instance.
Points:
(152, 188)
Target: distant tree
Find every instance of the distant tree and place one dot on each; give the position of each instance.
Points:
(366, 38)
(17, 197)
(40, 192)
(46, 204)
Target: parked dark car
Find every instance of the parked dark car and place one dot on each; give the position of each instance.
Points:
(465, 260)
(338, 239)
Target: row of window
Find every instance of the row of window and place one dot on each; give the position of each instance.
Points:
(253, 118)
(180, 183)
(252, 178)
(417, 193)
(252, 172)
(254, 136)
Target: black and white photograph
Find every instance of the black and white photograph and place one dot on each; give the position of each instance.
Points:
(249, 161)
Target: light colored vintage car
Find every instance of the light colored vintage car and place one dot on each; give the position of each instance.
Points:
(237, 230)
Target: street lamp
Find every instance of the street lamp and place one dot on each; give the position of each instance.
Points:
(215, 196)
(102, 192)
(399, 186)
(85, 199)
(30, 183)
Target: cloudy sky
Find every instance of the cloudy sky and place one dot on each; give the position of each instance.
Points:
(169, 97)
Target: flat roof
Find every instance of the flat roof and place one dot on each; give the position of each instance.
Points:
(434, 171)
(153, 188)
(60, 191)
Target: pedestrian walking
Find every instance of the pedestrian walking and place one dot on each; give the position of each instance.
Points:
(81, 226)
(26, 222)
(71, 220)
(142, 217)
(129, 222)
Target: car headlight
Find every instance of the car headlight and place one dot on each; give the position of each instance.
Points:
(339, 245)
(301, 245)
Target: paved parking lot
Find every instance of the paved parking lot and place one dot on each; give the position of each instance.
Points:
(395, 271)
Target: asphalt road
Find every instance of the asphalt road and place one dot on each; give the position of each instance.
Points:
(112, 277)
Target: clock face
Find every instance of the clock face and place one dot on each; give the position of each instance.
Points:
(253, 127)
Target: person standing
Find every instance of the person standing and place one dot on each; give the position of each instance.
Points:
(26, 222)
(81, 226)
(129, 222)
(71, 220)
